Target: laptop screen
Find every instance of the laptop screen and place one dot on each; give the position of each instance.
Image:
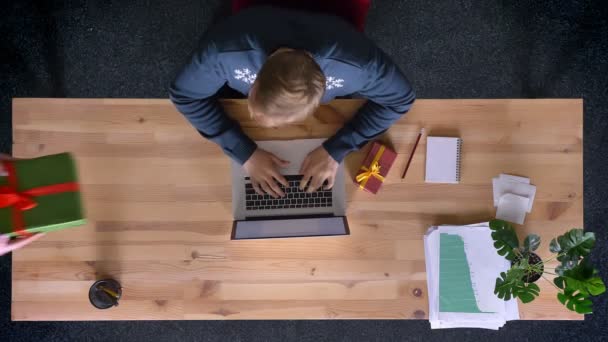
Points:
(290, 227)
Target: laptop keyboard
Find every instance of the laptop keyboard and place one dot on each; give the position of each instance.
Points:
(294, 197)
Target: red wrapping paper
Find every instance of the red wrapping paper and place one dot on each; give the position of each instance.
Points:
(385, 158)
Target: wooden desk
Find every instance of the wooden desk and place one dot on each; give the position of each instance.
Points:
(158, 202)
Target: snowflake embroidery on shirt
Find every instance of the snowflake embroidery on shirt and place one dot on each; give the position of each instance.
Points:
(332, 82)
(245, 75)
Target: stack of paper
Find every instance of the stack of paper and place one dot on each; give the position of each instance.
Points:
(513, 197)
(462, 266)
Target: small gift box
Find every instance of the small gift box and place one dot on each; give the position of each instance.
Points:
(375, 167)
(39, 195)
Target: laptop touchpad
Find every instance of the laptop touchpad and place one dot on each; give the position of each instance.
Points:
(259, 229)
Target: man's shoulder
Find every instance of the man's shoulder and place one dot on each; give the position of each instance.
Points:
(345, 56)
(347, 50)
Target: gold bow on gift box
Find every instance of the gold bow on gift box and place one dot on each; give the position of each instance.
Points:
(372, 171)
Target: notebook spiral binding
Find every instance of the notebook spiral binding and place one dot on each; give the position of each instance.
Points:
(458, 154)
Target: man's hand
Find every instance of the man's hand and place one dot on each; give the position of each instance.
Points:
(3, 156)
(263, 169)
(317, 168)
(7, 245)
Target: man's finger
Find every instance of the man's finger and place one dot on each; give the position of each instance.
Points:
(315, 184)
(268, 189)
(18, 243)
(280, 178)
(330, 182)
(280, 162)
(275, 187)
(304, 166)
(305, 181)
(4, 157)
(256, 187)
(265, 188)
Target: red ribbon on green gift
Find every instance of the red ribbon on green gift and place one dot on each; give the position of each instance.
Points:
(23, 200)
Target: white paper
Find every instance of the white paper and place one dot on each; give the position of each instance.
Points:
(431, 256)
(512, 309)
(512, 208)
(502, 186)
(520, 179)
(485, 266)
(442, 160)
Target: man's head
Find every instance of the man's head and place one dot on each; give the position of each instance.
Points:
(288, 88)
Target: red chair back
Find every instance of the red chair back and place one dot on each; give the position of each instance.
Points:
(353, 11)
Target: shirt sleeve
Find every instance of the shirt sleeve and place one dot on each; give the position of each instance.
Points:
(194, 94)
(390, 97)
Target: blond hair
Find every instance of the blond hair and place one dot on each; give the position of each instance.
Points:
(289, 86)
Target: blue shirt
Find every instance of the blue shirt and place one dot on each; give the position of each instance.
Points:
(234, 51)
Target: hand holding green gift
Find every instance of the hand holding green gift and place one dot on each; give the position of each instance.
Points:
(7, 245)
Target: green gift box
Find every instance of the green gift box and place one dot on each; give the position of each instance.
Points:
(39, 195)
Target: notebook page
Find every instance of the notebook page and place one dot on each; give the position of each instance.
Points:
(442, 160)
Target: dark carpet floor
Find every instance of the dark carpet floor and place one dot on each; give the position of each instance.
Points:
(448, 49)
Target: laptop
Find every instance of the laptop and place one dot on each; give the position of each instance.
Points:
(298, 214)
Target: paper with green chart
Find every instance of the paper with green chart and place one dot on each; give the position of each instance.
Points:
(462, 266)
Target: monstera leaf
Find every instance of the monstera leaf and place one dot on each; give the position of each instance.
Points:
(566, 265)
(507, 282)
(573, 245)
(505, 239)
(583, 278)
(528, 292)
(531, 243)
(511, 285)
(578, 283)
(575, 302)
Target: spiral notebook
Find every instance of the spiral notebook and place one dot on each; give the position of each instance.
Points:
(443, 160)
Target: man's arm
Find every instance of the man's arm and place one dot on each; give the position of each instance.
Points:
(194, 94)
(390, 96)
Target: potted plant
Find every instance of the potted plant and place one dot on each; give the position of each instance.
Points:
(575, 277)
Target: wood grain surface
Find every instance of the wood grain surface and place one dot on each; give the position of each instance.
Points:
(157, 198)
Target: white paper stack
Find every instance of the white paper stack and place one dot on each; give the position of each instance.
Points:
(513, 197)
(462, 266)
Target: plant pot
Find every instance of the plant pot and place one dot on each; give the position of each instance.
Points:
(533, 259)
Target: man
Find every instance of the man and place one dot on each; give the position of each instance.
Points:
(289, 62)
